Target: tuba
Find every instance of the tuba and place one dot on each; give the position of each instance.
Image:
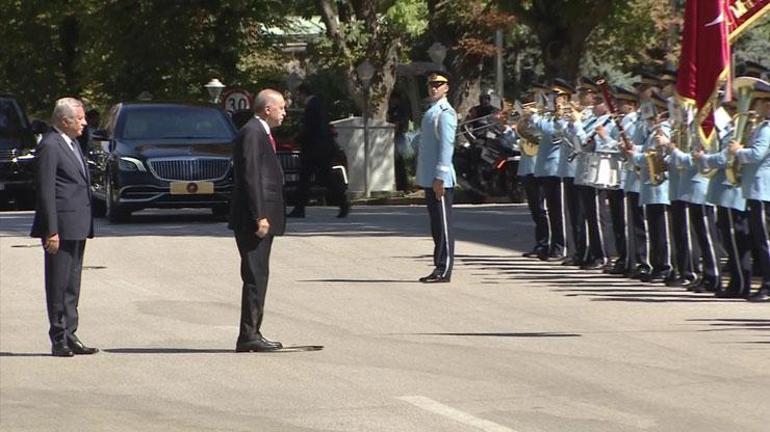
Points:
(744, 121)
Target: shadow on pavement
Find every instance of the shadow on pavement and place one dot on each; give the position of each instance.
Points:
(10, 354)
(522, 334)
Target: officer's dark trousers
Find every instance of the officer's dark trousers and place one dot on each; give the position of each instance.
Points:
(736, 240)
(551, 190)
(440, 212)
(616, 200)
(536, 204)
(703, 222)
(680, 230)
(255, 269)
(576, 220)
(759, 211)
(320, 173)
(62, 289)
(592, 209)
(659, 234)
(636, 234)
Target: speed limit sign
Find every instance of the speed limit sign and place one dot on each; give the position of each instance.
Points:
(236, 99)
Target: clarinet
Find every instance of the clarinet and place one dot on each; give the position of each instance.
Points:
(614, 114)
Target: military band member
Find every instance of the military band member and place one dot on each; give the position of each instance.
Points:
(616, 197)
(654, 191)
(692, 189)
(436, 174)
(683, 272)
(732, 217)
(547, 174)
(535, 199)
(755, 158)
(572, 213)
(591, 135)
(637, 254)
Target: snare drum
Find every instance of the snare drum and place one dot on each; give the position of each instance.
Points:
(605, 170)
(581, 169)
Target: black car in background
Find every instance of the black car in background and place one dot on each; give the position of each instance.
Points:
(161, 155)
(17, 161)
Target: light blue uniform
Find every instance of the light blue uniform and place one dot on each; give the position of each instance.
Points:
(721, 192)
(577, 136)
(756, 169)
(649, 193)
(549, 149)
(511, 139)
(437, 137)
(636, 131)
(693, 185)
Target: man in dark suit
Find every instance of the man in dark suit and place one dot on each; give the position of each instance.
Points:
(63, 221)
(257, 213)
(319, 151)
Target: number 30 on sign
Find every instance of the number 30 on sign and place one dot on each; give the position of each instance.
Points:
(236, 99)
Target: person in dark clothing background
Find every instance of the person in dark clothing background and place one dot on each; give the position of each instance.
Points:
(319, 152)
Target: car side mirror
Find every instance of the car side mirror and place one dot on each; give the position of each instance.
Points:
(100, 134)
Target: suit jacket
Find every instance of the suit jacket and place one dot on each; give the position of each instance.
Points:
(315, 137)
(258, 189)
(63, 191)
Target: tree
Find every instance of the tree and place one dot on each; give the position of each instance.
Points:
(562, 28)
(376, 30)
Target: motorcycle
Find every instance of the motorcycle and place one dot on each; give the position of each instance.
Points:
(486, 159)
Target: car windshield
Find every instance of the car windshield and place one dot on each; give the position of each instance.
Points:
(164, 122)
(11, 121)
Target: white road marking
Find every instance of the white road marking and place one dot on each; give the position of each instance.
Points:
(454, 414)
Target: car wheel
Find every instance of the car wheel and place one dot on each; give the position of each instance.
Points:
(220, 211)
(114, 211)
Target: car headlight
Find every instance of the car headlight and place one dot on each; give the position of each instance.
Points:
(22, 154)
(130, 164)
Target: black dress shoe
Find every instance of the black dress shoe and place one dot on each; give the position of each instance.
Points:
(592, 265)
(80, 349)
(296, 213)
(617, 268)
(707, 286)
(344, 210)
(763, 295)
(260, 344)
(655, 276)
(572, 261)
(435, 278)
(534, 253)
(61, 350)
(728, 293)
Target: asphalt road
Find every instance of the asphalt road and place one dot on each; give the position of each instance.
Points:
(510, 345)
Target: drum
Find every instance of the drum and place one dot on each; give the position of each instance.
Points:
(604, 170)
(581, 169)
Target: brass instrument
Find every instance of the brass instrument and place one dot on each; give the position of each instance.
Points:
(656, 157)
(529, 141)
(744, 120)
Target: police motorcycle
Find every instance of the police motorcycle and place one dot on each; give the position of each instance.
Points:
(486, 158)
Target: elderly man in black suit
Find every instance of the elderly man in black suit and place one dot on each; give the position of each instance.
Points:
(257, 213)
(63, 221)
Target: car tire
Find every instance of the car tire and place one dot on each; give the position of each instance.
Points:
(113, 210)
(221, 211)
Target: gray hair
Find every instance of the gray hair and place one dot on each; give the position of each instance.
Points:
(64, 109)
(265, 98)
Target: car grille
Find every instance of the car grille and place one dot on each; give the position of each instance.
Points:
(7, 154)
(189, 169)
(289, 161)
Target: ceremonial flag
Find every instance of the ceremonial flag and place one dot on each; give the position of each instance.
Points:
(704, 65)
(742, 13)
